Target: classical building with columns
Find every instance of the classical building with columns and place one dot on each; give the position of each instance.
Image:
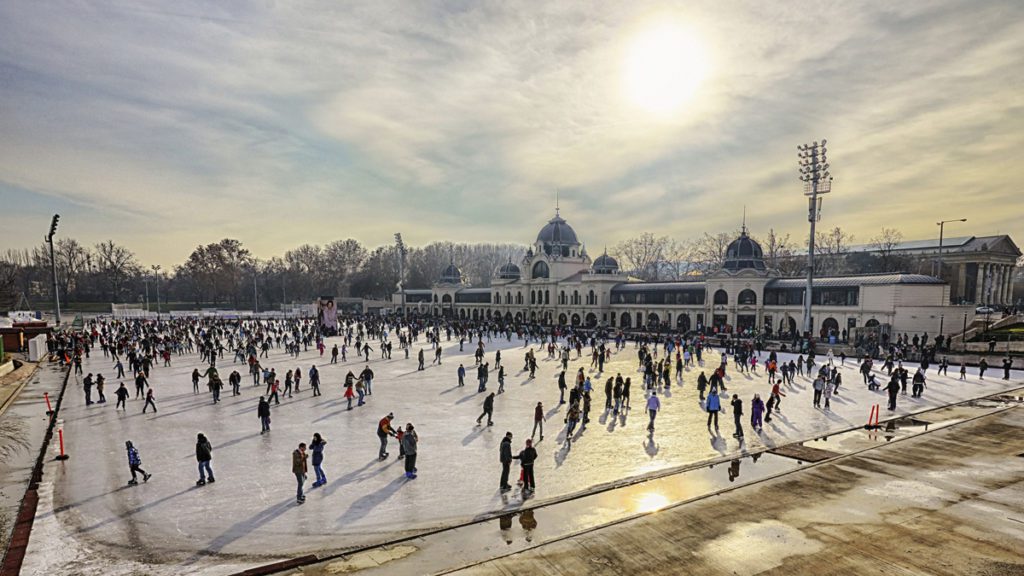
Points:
(979, 269)
(557, 282)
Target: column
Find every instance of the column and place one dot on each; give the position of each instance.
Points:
(979, 288)
(1002, 285)
(1009, 284)
(961, 282)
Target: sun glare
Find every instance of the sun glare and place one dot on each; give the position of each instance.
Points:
(665, 64)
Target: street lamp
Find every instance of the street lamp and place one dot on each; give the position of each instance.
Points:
(53, 267)
(817, 180)
(942, 226)
(156, 274)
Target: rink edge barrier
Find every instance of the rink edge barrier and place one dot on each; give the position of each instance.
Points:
(14, 555)
(310, 559)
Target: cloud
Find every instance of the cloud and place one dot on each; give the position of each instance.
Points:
(171, 125)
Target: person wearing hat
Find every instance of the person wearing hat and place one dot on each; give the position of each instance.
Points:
(135, 463)
(383, 431)
(409, 443)
(526, 459)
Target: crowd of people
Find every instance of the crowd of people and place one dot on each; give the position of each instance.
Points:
(661, 360)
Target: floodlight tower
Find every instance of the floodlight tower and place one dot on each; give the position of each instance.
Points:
(817, 180)
(53, 267)
(402, 251)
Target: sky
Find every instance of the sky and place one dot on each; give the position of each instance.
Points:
(165, 125)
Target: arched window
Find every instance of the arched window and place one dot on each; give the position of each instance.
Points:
(721, 297)
(561, 300)
(533, 297)
(747, 298)
(547, 296)
(519, 297)
(540, 270)
(591, 298)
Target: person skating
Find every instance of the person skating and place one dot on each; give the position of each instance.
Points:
(410, 442)
(538, 420)
(653, 405)
(505, 457)
(383, 431)
(421, 359)
(134, 464)
(982, 366)
(526, 459)
(87, 385)
(461, 372)
(314, 380)
(263, 412)
(122, 397)
(367, 377)
(894, 390)
(737, 414)
(713, 405)
(756, 411)
(1007, 366)
(99, 389)
(204, 454)
(488, 410)
(150, 401)
(299, 469)
(316, 446)
(702, 384)
(919, 384)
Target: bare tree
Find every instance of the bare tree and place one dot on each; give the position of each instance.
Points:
(644, 255)
(830, 249)
(884, 244)
(708, 252)
(117, 265)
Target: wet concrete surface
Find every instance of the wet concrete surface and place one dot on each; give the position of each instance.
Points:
(22, 428)
(947, 502)
(527, 529)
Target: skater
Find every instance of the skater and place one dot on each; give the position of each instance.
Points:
(505, 457)
(367, 377)
(149, 401)
(314, 380)
(653, 405)
(963, 370)
(713, 406)
(819, 386)
(421, 358)
(263, 412)
(1007, 366)
(134, 464)
(919, 383)
(299, 469)
(526, 459)
(87, 385)
(893, 389)
(317, 446)
(737, 413)
(122, 397)
(461, 372)
(383, 431)
(409, 443)
(488, 410)
(756, 410)
(538, 420)
(99, 389)
(982, 366)
(204, 453)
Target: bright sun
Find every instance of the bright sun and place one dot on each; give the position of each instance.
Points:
(665, 63)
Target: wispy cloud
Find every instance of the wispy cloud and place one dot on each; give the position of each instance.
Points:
(166, 125)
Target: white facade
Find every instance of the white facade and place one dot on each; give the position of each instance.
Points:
(558, 283)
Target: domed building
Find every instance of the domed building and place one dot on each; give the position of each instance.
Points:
(744, 253)
(556, 283)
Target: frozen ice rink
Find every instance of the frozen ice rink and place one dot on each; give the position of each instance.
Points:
(90, 522)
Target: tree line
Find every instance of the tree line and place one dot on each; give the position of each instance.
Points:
(225, 273)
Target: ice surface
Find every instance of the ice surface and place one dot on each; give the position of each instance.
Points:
(90, 522)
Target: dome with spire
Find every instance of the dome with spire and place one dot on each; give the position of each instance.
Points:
(509, 271)
(557, 231)
(744, 253)
(451, 274)
(605, 264)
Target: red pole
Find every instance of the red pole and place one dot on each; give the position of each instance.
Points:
(63, 456)
(49, 410)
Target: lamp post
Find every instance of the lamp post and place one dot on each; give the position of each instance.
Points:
(963, 337)
(817, 180)
(53, 268)
(156, 275)
(942, 226)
